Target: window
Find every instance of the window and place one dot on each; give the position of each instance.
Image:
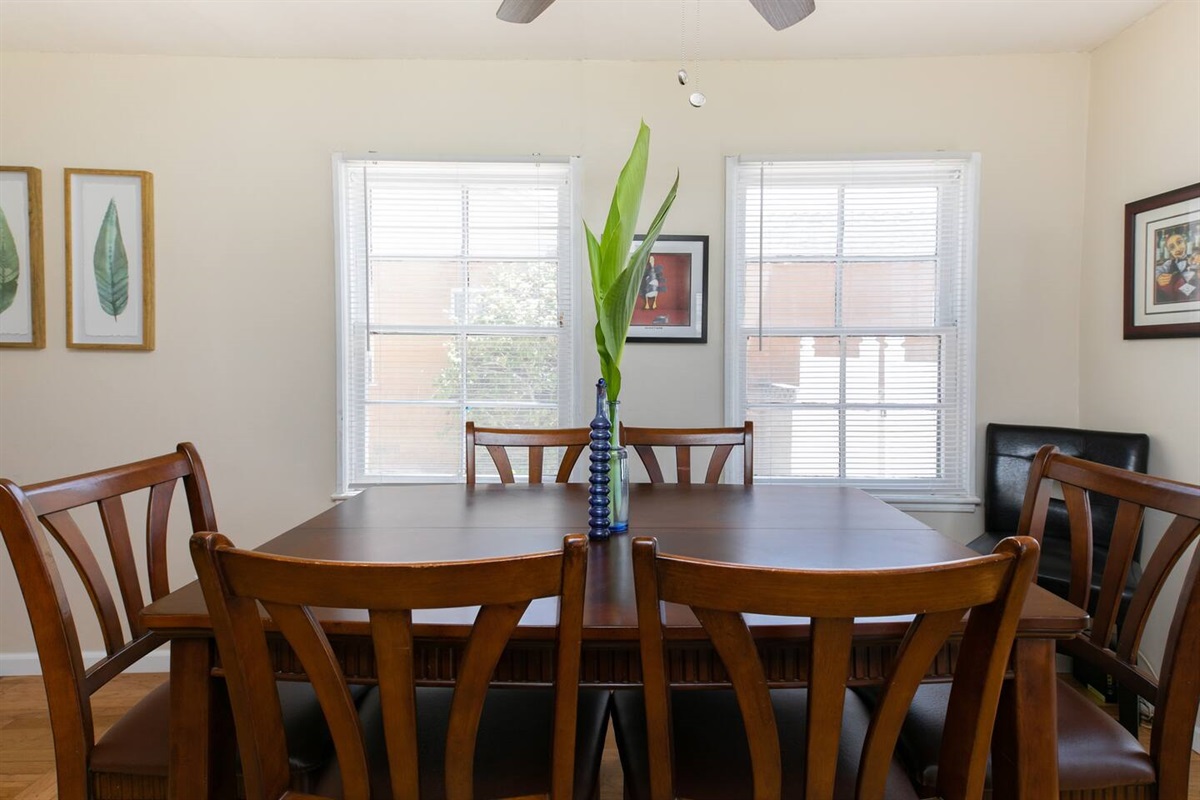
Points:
(850, 289)
(455, 295)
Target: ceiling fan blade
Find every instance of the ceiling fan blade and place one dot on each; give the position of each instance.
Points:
(782, 13)
(522, 10)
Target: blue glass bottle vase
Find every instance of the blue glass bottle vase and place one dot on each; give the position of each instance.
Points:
(601, 461)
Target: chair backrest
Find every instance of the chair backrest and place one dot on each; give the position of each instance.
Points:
(26, 514)
(496, 440)
(721, 440)
(1009, 453)
(1176, 693)
(234, 581)
(992, 587)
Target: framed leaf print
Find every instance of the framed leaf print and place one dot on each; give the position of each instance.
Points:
(22, 292)
(110, 259)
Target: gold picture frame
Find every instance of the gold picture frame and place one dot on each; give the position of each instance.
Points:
(22, 280)
(110, 259)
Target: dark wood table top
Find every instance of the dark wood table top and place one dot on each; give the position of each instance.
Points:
(774, 525)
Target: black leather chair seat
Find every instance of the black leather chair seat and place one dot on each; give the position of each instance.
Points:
(138, 744)
(513, 747)
(712, 760)
(1084, 730)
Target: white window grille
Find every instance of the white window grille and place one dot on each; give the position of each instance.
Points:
(455, 298)
(850, 321)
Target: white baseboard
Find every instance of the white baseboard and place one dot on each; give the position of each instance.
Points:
(27, 663)
(1196, 740)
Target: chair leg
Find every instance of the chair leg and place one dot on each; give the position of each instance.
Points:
(1128, 710)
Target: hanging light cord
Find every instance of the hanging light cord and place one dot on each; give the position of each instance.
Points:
(696, 45)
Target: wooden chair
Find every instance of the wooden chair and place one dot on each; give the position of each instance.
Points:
(496, 440)
(1097, 757)
(409, 742)
(131, 759)
(722, 440)
(725, 744)
(1009, 451)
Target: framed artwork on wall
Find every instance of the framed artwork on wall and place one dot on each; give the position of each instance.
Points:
(22, 291)
(110, 259)
(1162, 265)
(672, 301)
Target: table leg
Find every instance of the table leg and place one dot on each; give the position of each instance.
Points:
(201, 725)
(1025, 747)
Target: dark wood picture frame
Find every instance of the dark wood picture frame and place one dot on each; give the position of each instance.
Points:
(1162, 265)
(672, 303)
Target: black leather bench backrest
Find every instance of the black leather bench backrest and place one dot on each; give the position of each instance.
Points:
(1010, 452)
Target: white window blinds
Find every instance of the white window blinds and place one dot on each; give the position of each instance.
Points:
(455, 300)
(850, 290)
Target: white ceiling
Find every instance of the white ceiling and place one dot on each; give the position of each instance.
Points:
(570, 29)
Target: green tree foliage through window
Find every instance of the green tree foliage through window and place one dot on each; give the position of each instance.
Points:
(521, 369)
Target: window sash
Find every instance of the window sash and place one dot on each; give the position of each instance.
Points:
(807, 228)
(430, 255)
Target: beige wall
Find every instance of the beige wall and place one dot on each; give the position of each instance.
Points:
(1143, 139)
(240, 151)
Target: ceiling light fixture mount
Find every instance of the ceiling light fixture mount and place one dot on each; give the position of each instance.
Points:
(779, 13)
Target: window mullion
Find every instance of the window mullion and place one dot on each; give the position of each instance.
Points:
(838, 320)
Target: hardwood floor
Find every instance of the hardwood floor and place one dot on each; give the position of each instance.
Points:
(26, 747)
(27, 751)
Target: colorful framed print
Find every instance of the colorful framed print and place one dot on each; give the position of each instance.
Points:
(22, 290)
(672, 301)
(110, 259)
(1162, 265)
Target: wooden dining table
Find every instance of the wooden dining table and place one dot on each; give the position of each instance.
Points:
(773, 525)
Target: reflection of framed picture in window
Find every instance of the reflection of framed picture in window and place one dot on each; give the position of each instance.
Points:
(22, 300)
(672, 301)
(1162, 265)
(110, 259)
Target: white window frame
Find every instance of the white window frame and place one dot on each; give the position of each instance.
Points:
(960, 498)
(569, 345)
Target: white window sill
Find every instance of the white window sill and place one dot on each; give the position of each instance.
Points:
(961, 504)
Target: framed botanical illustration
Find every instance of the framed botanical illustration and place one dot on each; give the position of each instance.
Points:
(672, 302)
(1162, 265)
(22, 291)
(110, 259)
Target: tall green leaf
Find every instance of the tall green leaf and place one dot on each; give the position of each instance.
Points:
(111, 264)
(10, 264)
(616, 268)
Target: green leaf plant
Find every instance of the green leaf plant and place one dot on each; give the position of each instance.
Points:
(616, 267)
(10, 264)
(111, 264)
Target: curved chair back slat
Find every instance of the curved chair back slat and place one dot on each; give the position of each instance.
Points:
(497, 440)
(721, 440)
